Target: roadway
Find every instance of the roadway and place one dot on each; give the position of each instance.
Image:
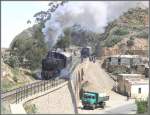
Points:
(127, 108)
(100, 81)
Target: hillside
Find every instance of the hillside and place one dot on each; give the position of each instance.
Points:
(30, 45)
(129, 32)
(14, 77)
(131, 27)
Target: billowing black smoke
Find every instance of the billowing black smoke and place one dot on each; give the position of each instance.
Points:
(93, 15)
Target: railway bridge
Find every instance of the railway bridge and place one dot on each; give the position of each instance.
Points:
(55, 88)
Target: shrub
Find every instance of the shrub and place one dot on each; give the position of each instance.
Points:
(31, 108)
(121, 31)
(143, 34)
(142, 106)
(130, 43)
(112, 41)
(118, 69)
(7, 85)
(11, 61)
(15, 79)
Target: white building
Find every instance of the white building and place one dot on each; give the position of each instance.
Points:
(133, 85)
(139, 88)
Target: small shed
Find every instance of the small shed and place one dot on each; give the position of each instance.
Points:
(126, 60)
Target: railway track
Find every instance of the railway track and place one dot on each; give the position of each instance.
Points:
(40, 85)
(11, 92)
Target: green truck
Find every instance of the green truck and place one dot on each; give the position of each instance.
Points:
(93, 100)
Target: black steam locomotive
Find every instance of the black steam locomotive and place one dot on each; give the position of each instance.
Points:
(54, 62)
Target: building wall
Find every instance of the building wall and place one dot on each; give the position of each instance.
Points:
(136, 61)
(121, 85)
(114, 61)
(125, 61)
(144, 91)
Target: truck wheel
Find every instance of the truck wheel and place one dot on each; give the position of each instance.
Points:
(84, 107)
(93, 107)
(103, 105)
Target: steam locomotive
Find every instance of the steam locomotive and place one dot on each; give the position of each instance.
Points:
(54, 62)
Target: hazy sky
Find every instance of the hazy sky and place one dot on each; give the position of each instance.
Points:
(14, 18)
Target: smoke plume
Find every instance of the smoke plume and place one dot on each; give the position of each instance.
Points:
(92, 15)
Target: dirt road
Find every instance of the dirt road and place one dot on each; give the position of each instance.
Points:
(100, 81)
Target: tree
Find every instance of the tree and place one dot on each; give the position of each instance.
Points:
(30, 47)
(42, 16)
(28, 22)
(142, 106)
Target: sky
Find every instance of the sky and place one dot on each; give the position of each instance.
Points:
(14, 16)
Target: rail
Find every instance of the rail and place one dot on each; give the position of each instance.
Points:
(20, 93)
(31, 89)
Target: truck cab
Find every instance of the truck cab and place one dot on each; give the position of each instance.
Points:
(93, 100)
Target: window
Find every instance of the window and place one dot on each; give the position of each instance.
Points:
(93, 97)
(85, 96)
(119, 61)
(139, 90)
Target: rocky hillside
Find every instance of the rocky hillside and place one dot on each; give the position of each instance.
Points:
(14, 77)
(129, 32)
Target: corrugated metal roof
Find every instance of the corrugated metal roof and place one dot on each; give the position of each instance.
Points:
(131, 75)
(126, 56)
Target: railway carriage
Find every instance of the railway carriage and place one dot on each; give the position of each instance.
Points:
(86, 52)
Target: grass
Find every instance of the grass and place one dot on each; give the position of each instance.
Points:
(5, 109)
(113, 40)
(142, 34)
(142, 106)
(32, 74)
(7, 85)
(15, 78)
(121, 31)
(30, 108)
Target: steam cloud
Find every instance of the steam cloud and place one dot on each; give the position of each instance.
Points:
(92, 15)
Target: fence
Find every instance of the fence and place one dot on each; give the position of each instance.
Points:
(32, 89)
(18, 94)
